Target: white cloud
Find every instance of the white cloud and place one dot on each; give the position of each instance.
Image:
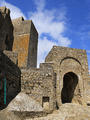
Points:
(88, 51)
(40, 4)
(44, 46)
(52, 23)
(15, 11)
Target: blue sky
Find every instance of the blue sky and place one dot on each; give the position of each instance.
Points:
(59, 22)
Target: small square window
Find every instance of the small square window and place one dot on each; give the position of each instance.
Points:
(45, 103)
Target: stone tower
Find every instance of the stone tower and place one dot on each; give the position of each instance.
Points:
(9, 71)
(25, 42)
(6, 29)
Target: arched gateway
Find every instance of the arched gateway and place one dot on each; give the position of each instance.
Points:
(71, 69)
(70, 81)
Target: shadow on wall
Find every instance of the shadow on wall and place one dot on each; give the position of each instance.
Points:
(10, 75)
(10, 80)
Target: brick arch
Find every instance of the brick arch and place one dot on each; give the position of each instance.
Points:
(69, 64)
(69, 58)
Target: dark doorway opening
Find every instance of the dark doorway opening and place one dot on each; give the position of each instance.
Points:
(45, 103)
(70, 81)
(45, 100)
(88, 104)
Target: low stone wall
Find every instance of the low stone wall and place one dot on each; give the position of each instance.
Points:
(39, 84)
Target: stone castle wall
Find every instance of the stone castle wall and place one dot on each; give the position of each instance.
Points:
(39, 84)
(12, 74)
(33, 47)
(62, 78)
(13, 56)
(67, 60)
(87, 92)
(6, 29)
(25, 42)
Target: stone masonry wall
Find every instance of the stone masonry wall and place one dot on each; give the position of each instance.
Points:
(25, 42)
(87, 92)
(6, 29)
(13, 56)
(39, 84)
(20, 46)
(65, 60)
(12, 74)
(33, 46)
